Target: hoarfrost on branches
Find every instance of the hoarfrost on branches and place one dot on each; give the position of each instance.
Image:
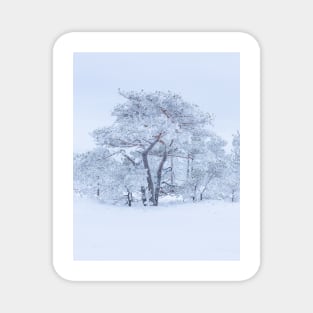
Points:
(158, 146)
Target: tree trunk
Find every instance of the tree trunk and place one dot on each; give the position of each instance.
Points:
(98, 187)
(159, 176)
(147, 167)
(129, 199)
(206, 186)
(188, 167)
(172, 174)
(149, 178)
(194, 198)
(143, 196)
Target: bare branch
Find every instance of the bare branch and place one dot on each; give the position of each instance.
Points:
(130, 159)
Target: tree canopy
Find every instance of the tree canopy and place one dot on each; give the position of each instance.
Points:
(158, 145)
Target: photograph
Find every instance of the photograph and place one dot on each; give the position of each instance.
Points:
(156, 156)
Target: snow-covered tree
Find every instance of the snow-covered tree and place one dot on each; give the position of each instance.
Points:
(207, 165)
(87, 169)
(158, 145)
(159, 125)
(106, 176)
(232, 174)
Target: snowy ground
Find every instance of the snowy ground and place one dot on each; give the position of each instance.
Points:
(193, 231)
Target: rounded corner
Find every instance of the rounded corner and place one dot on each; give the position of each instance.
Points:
(61, 40)
(59, 272)
(251, 40)
(252, 273)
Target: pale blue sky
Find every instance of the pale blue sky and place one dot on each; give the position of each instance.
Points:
(211, 80)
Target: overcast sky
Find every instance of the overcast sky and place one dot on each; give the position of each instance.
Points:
(211, 80)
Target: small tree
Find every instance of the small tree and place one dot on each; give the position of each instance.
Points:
(232, 177)
(106, 176)
(207, 164)
(92, 173)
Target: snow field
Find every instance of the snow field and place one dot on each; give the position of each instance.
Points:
(182, 231)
